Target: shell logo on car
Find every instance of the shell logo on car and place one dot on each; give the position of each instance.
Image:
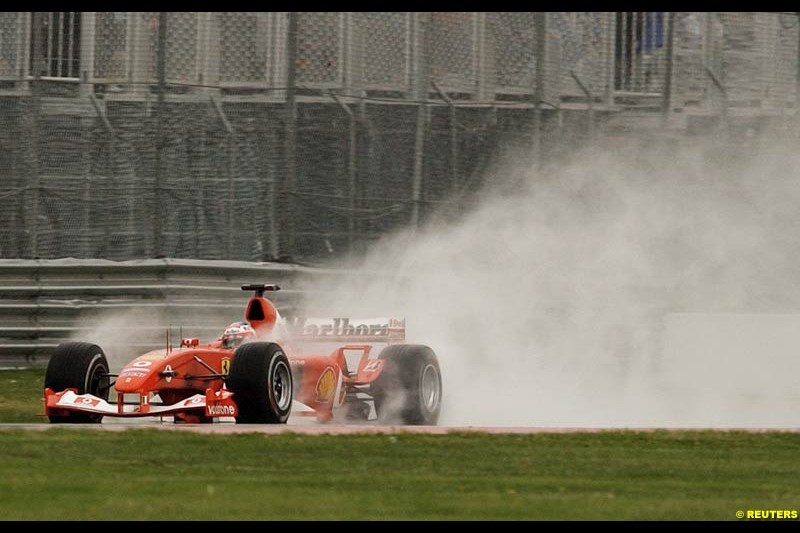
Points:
(326, 385)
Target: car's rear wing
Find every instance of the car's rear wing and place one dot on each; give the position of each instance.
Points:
(388, 330)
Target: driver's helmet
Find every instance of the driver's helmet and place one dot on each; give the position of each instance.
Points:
(237, 333)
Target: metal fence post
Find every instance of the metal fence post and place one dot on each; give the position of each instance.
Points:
(36, 192)
(423, 80)
(589, 106)
(161, 73)
(230, 146)
(290, 147)
(797, 74)
(539, 31)
(111, 150)
(667, 102)
(352, 173)
(352, 170)
(88, 37)
(453, 126)
(33, 127)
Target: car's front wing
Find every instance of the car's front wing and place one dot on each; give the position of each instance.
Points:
(214, 403)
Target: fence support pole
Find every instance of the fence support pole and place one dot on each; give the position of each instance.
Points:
(419, 148)
(590, 99)
(667, 102)
(423, 80)
(723, 91)
(351, 171)
(797, 74)
(161, 72)
(539, 31)
(37, 60)
(290, 180)
(453, 137)
(109, 129)
(230, 138)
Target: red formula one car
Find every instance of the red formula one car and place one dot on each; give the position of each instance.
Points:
(257, 371)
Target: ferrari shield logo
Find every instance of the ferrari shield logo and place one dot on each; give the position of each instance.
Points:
(326, 385)
(226, 365)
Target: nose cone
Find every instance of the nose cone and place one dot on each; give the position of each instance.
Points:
(137, 373)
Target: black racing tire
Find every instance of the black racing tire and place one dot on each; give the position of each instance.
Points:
(409, 389)
(261, 381)
(82, 366)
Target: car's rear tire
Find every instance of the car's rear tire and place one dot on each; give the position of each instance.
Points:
(261, 381)
(409, 389)
(82, 366)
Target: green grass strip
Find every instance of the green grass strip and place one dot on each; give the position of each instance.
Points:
(147, 474)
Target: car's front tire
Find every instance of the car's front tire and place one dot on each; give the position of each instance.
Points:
(82, 366)
(261, 382)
